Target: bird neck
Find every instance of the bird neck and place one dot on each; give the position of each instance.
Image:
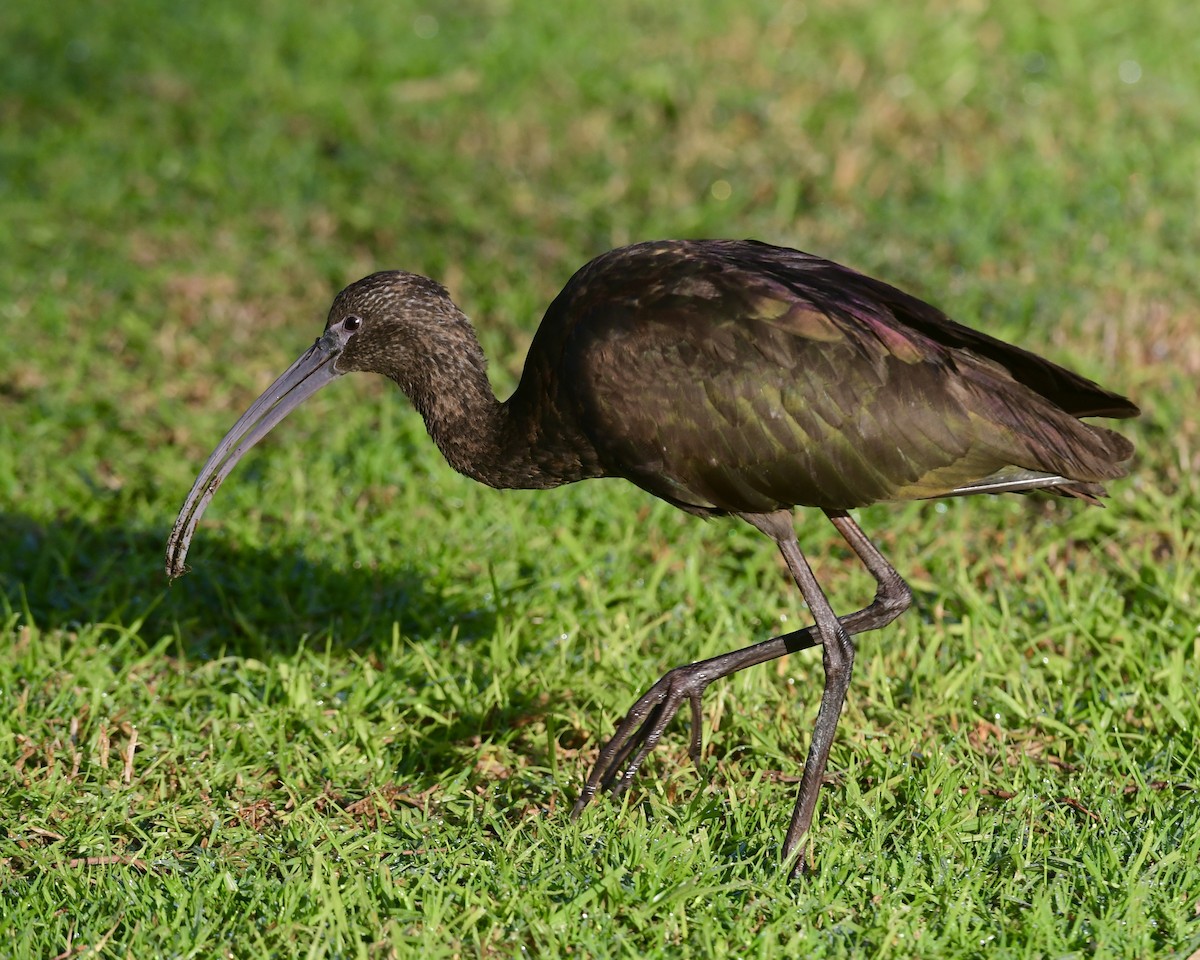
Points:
(515, 444)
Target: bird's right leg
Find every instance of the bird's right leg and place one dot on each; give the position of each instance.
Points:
(648, 718)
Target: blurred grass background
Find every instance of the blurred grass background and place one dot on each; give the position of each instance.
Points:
(353, 730)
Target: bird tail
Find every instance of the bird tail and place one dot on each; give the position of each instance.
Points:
(1028, 482)
(1047, 447)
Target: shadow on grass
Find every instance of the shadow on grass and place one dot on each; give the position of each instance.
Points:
(69, 573)
(241, 601)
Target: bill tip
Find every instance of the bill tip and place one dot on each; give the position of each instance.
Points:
(175, 566)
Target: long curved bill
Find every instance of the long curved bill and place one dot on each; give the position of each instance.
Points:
(299, 382)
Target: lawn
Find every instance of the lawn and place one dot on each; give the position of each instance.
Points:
(356, 728)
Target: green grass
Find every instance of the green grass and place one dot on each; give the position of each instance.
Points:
(356, 728)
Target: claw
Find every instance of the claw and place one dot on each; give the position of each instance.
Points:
(643, 727)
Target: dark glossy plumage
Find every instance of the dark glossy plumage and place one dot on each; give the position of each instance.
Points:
(740, 377)
(726, 377)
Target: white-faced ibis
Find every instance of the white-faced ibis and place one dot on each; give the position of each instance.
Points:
(725, 377)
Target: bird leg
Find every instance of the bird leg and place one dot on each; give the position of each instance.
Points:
(643, 726)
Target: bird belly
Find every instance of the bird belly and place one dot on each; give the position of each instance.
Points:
(712, 485)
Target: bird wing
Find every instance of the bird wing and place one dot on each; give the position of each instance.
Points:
(726, 385)
(836, 286)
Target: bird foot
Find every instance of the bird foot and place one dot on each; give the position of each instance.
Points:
(643, 727)
(799, 861)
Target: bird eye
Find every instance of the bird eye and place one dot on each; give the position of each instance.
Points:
(351, 323)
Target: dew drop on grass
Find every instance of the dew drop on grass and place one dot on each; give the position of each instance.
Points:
(1130, 71)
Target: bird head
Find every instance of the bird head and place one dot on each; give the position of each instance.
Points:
(384, 323)
(385, 319)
